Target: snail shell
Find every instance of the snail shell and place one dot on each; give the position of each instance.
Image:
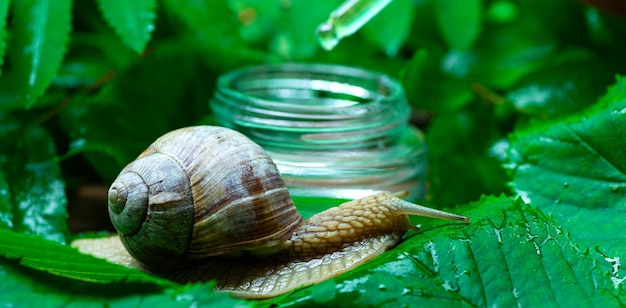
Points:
(198, 192)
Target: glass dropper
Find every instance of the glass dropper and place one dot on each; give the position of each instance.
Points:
(347, 19)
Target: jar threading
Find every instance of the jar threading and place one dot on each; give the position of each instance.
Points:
(333, 131)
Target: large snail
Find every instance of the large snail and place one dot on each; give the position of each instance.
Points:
(200, 192)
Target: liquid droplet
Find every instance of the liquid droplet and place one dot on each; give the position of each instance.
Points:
(565, 184)
(614, 188)
(382, 287)
(327, 36)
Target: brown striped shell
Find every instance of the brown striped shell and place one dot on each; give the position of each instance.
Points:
(214, 192)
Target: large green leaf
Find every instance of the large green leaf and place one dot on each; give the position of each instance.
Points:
(4, 12)
(37, 189)
(64, 261)
(133, 20)
(575, 169)
(459, 21)
(510, 254)
(39, 37)
(23, 287)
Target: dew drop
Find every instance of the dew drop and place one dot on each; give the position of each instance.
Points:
(382, 287)
(614, 188)
(565, 184)
(448, 286)
(499, 235)
(424, 293)
(515, 293)
(406, 291)
(557, 201)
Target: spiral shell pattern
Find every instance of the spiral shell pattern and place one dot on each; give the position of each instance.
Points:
(222, 190)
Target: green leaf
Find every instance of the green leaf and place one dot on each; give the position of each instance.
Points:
(559, 90)
(605, 30)
(133, 21)
(65, 261)
(21, 286)
(575, 169)
(503, 54)
(391, 26)
(4, 12)
(465, 153)
(31, 269)
(459, 21)
(258, 19)
(501, 11)
(36, 188)
(501, 57)
(215, 28)
(297, 37)
(40, 34)
(510, 254)
(430, 89)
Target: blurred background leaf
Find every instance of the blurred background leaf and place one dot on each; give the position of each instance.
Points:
(133, 21)
(34, 201)
(4, 11)
(39, 36)
(459, 21)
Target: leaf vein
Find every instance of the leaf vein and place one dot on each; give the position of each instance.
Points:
(591, 149)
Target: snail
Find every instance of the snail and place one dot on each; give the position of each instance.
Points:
(206, 202)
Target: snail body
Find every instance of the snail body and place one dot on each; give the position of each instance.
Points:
(200, 193)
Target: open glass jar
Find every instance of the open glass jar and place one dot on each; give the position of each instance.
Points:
(333, 131)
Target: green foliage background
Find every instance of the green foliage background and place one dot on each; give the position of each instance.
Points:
(522, 102)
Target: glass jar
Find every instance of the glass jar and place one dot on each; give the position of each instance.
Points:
(333, 131)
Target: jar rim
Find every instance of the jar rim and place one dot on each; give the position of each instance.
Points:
(306, 70)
